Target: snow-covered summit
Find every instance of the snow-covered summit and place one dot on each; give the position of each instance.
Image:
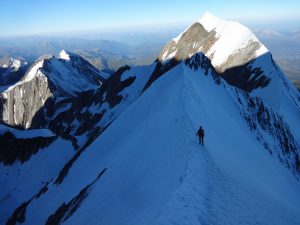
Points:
(220, 40)
(64, 55)
(12, 63)
(73, 74)
(236, 54)
(209, 21)
(48, 78)
(68, 56)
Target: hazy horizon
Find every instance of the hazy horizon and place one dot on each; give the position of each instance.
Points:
(32, 17)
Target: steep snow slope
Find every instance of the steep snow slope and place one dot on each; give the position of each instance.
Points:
(21, 180)
(156, 173)
(80, 118)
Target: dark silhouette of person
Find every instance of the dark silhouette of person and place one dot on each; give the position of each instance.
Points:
(200, 134)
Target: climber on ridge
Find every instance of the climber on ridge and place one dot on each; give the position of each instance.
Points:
(200, 134)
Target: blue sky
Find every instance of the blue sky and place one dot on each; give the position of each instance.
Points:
(41, 16)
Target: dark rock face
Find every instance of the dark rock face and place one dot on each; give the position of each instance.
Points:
(19, 214)
(263, 121)
(246, 77)
(200, 61)
(195, 62)
(114, 85)
(195, 39)
(82, 114)
(13, 148)
(22, 102)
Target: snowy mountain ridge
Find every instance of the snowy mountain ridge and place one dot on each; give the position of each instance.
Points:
(60, 67)
(159, 179)
(237, 55)
(137, 159)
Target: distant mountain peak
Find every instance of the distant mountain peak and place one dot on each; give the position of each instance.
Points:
(218, 39)
(12, 63)
(11, 70)
(64, 55)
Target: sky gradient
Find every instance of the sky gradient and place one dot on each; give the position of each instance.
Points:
(19, 17)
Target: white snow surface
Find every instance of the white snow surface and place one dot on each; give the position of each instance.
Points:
(34, 70)
(157, 173)
(231, 37)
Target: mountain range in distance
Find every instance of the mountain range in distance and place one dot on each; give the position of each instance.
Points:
(140, 48)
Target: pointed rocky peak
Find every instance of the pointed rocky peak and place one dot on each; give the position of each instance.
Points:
(225, 43)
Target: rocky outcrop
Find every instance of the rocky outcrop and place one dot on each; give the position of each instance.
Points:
(21, 102)
(247, 77)
(194, 40)
(15, 148)
(264, 122)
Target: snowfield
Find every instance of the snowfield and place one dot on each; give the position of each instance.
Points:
(157, 173)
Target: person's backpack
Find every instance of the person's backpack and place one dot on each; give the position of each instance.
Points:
(201, 133)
